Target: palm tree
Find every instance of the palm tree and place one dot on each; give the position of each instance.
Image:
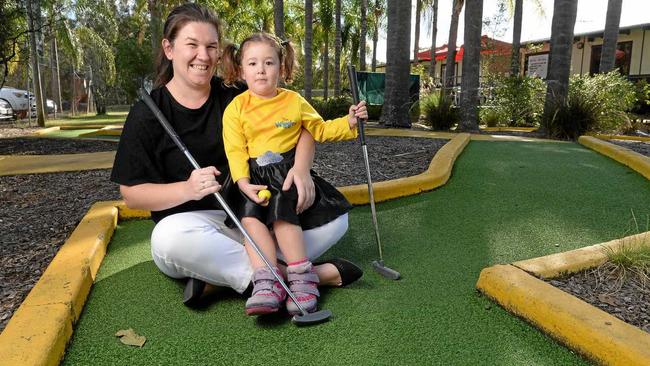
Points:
(33, 16)
(337, 49)
(362, 37)
(471, 66)
(278, 18)
(378, 11)
(326, 20)
(557, 80)
(434, 34)
(608, 53)
(517, 7)
(396, 98)
(450, 70)
(309, 34)
(416, 41)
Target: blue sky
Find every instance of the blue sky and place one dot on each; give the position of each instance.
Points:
(591, 17)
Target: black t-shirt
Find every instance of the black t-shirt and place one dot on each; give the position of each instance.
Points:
(146, 154)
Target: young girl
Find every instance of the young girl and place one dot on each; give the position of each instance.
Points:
(261, 128)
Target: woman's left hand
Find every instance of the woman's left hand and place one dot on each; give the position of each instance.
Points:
(304, 186)
(356, 112)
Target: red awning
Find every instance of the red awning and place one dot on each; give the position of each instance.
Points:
(489, 47)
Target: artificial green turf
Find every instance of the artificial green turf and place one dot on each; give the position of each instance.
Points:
(506, 201)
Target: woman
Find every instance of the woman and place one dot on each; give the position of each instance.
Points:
(190, 239)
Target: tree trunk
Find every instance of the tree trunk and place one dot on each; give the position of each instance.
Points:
(38, 91)
(395, 111)
(155, 26)
(610, 39)
(434, 34)
(278, 18)
(469, 99)
(416, 41)
(56, 78)
(337, 49)
(516, 37)
(450, 68)
(309, 37)
(362, 36)
(326, 66)
(557, 80)
(375, 40)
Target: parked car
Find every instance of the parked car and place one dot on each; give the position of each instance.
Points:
(50, 106)
(6, 112)
(18, 99)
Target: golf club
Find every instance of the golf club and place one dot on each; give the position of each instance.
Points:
(379, 264)
(305, 318)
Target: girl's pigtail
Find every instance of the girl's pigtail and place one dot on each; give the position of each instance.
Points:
(230, 64)
(290, 63)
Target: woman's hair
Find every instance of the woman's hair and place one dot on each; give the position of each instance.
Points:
(177, 19)
(232, 55)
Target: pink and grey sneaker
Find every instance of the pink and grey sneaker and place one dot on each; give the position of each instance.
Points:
(267, 294)
(303, 282)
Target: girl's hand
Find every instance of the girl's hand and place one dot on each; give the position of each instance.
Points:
(356, 112)
(250, 190)
(202, 182)
(304, 186)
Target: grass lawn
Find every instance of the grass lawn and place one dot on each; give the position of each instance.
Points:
(505, 201)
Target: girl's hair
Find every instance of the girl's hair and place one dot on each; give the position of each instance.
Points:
(232, 55)
(177, 19)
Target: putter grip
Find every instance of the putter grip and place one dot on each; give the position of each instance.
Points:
(354, 88)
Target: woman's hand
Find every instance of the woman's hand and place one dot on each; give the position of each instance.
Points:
(304, 186)
(202, 182)
(356, 112)
(251, 190)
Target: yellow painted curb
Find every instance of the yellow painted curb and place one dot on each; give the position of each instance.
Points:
(30, 164)
(45, 131)
(620, 137)
(577, 260)
(516, 129)
(39, 330)
(582, 327)
(435, 176)
(579, 325)
(632, 159)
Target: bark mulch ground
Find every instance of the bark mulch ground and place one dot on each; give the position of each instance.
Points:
(40, 211)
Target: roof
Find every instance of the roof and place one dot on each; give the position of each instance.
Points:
(598, 33)
(488, 46)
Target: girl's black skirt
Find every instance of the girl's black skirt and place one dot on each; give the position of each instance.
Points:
(328, 204)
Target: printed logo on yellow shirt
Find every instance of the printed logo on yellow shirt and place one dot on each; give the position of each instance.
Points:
(285, 124)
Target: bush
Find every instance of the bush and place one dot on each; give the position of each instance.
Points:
(572, 117)
(519, 100)
(437, 111)
(334, 107)
(642, 93)
(374, 112)
(489, 116)
(611, 94)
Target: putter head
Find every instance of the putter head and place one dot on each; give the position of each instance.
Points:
(389, 273)
(312, 318)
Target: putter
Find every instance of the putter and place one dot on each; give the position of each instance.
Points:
(305, 318)
(378, 265)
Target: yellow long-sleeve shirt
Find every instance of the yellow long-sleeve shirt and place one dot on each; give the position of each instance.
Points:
(253, 126)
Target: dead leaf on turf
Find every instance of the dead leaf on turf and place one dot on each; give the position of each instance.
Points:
(607, 300)
(130, 338)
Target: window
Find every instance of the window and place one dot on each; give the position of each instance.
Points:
(623, 57)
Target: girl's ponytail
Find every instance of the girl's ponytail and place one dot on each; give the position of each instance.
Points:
(289, 63)
(230, 64)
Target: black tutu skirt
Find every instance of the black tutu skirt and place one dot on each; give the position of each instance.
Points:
(328, 204)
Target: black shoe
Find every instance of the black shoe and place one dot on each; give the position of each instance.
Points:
(348, 271)
(193, 291)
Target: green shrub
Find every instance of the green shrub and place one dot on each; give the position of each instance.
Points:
(331, 108)
(489, 116)
(519, 100)
(374, 112)
(611, 94)
(572, 117)
(437, 111)
(642, 93)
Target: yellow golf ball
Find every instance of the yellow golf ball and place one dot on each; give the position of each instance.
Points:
(265, 194)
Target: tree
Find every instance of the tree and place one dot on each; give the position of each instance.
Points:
(33, 15)
(309, 34)
(278, 18)
(378, 11)
(13, 30)
(434, 34)
(416, 41)
(610, 39)
(557, 79)
(327, 20)
(450, 69)
(517, 7)
(337, 49)
(471, 66)
(362, 38)
(396, 99)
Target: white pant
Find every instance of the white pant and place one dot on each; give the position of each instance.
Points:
(198, 244)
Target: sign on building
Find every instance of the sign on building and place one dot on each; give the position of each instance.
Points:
(538, 65)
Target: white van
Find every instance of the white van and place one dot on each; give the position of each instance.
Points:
(18, 99)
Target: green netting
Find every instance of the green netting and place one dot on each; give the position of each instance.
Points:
(372, 85)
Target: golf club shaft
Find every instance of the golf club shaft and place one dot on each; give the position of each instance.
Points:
(170, 131)
(371, 195)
